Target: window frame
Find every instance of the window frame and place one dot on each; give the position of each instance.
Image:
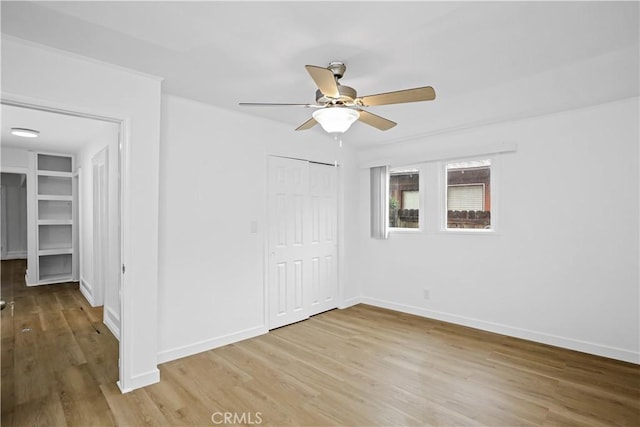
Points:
(421, 198)
(494, 195)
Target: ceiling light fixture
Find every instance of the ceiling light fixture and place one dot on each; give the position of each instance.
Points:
(25, 133)
(336, 119)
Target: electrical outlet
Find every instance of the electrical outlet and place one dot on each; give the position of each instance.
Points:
(426, 294)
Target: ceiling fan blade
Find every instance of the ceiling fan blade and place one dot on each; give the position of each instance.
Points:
(408, 95)
(272, 104)
(375, 121)
(325, 80)
(308, 124)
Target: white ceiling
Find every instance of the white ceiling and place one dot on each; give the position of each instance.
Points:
(58, 132)
(488, 61)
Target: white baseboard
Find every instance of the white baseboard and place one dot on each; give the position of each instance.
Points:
(112, 321)
(140, 380)
(350, 302)
(558, 341)
(209, 344)
(15, 255)
(28, 281)
(87, 291)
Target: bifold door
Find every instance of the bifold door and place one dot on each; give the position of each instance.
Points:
(303, 273)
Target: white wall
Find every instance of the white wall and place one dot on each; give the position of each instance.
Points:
(40, 75)
(213, 185)
(563, 268)
(16, 216)
(14, 158)
(109, 296)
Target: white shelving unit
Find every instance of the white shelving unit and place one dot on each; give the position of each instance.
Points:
(54, 255)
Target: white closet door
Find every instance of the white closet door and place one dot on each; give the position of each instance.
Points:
(302, 240)
(289, 257)
(324, 237)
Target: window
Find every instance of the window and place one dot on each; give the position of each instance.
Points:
(404, 198)
(468, 195)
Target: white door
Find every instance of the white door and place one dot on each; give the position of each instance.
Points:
(302, 276)
(323, 193)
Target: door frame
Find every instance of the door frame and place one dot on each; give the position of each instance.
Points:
(100, 214)
(3, 218)
(124, 173)
(266, 241)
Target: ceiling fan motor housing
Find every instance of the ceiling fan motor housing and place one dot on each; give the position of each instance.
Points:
(347, 96)
(337, 68)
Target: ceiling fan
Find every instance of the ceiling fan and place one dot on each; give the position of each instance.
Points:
(338, 106)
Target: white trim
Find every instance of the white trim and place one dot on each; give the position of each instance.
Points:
(452, 130)
(87, 291)
(15, 255)
(498, 328)
(400, 230)
(210, 344)
(469, 231)
(77, 56)
(350, 302)
(265, 241)
(14, 169)
(58, 108)
(79, 224)
(139, 381)
(426, 156)
(112, 321)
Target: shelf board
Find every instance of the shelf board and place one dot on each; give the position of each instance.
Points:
(54, 197)
(56, 251)
(55, 173)
(55, 222)
(55, 278)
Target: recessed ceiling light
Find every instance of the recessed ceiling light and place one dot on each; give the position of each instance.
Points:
(25, 133)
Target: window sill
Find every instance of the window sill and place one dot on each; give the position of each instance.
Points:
(470, 231)
(394, 230)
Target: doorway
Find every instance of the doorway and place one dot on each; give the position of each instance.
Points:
(303, 244)
(90, 134)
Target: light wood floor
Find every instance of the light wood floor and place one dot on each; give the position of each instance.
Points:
(360, 366)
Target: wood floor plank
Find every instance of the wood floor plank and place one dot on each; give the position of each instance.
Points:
(101, 354)
(78, 321)
(134, 408)
(178, 404)
(41, 412)
(83, 403)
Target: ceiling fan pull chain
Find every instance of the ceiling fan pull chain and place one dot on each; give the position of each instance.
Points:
(338, 139)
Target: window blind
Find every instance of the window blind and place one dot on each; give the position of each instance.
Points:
(465, 197)
(379, 204)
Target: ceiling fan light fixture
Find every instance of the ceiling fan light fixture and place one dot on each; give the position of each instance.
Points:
(336, 119)
(25, 133)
